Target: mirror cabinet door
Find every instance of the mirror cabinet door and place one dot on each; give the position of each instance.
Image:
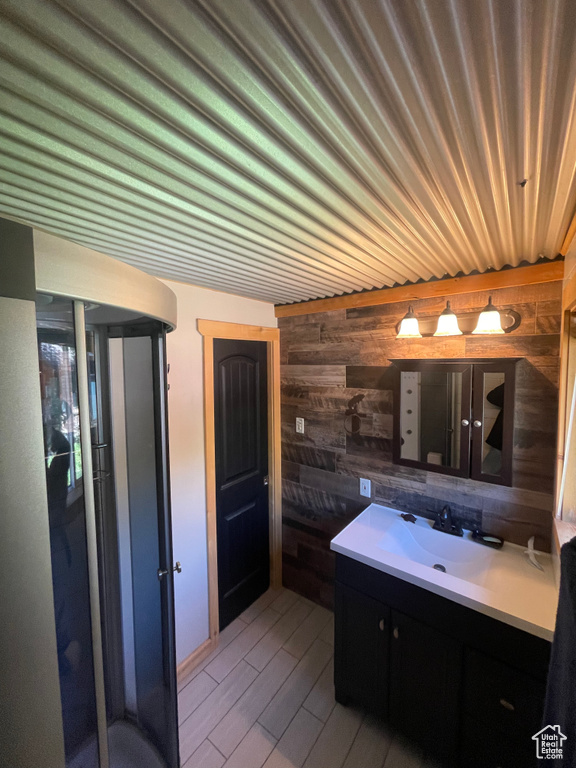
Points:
(493, 422)
(432, 417)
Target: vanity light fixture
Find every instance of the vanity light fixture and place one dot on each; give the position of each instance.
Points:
(448, 323)
(409, 326)
(489, 321)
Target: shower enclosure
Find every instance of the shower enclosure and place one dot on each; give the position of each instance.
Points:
(103, 390)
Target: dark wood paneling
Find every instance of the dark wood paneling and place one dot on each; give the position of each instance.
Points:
(311, 457)
(368, 445)
(340, 485)
(313, 375)
(513, 346)
(370, 377)
(335, 356)
(290, 471)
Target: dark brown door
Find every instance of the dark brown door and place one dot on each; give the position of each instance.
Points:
(241, 434)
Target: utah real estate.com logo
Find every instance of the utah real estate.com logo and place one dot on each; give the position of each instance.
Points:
(549, 743)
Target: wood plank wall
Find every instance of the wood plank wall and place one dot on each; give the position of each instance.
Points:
(328, 358)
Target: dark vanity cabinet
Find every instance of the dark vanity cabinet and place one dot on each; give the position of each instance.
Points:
(456, 417)
(363, 640)
(466, 688)
(423, 693)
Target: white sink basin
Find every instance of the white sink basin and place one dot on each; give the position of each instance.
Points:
(497, 582)
(420, 543)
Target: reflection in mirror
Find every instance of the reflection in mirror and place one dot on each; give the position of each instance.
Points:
(430, 406)
(493, 422)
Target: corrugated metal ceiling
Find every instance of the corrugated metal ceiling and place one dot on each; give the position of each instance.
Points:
(289, 149)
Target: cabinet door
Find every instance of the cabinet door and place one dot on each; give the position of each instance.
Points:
(425, 670)
(432, 416)
(493, 422)
(361, 649)
(503, 709)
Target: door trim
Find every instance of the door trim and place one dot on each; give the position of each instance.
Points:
(210, 330)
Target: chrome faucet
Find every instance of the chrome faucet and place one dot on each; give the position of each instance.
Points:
(446, 524)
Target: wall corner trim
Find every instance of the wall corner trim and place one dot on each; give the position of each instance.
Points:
(196, 657)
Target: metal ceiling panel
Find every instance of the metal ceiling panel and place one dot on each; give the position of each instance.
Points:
(291, 149)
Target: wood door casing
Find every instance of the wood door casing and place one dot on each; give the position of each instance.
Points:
(241, 448)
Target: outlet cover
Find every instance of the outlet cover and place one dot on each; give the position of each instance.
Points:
(300, 425)
(365, 487)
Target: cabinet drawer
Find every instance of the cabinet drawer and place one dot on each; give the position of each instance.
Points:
(485, 747)
(500, 696)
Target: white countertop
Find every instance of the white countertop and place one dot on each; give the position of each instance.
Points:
(500, 583)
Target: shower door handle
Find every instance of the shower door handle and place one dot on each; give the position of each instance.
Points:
(161, 572)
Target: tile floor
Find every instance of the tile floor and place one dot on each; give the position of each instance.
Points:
(265, 698)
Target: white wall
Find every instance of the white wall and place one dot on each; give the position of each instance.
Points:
(187, 466)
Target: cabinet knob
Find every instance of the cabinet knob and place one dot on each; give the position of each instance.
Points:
(396, 633)
(507, 705)
(477, 423)
(381, 625)
(465, 423)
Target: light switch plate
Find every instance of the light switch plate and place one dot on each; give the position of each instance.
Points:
(299, 425)
(365, 487)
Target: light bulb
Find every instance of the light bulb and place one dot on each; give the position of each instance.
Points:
(448, 323)
(409, 326)
(489, 321)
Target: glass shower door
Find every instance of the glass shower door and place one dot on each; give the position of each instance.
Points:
(150, 542)
(66, 509)
(110, 535)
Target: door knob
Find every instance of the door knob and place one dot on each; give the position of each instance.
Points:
(161, 572)
(465, 423)
(477, 423)
(396, 633)
(266, 480)
(381, 625)
(177, 567)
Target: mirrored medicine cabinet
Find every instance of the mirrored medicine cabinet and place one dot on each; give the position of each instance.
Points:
(456, 417)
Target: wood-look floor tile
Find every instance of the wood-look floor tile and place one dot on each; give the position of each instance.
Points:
(306, 601)
(237, 722)
(336, 738)
(194, 694)
(253, 749)
(402, 755)
(239, 647)
(327, 633)
(273, 640)
(296, 743)
(370, 746)
(196, 728)
(206, 756)
(228, 709)
(284, 601)
(224, 639)
(320, 701)
(307, 632)
(259, 605)
(277, 716)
